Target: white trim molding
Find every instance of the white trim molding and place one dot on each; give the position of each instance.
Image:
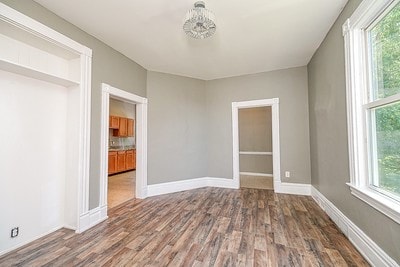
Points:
(257, 174)
(276, 159)
(378, 201)
(365, 245)
(93, 217)
(40, 30)
(255, 153)
(292, 188)
(189, 184)
(355, 31)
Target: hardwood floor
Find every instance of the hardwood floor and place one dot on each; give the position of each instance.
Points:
(121, 187)
(202, 227)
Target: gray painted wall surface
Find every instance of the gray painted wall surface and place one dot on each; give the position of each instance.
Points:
(122, 109)
(176, 128)
(255, 129)
(108, 66)
(328, 135)
(290, 86)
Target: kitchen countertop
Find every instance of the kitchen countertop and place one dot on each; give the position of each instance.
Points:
(121, 148)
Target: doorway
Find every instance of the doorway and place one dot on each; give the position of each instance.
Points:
(125, 144)
(255, 147)
(256, 162)
(121, 152)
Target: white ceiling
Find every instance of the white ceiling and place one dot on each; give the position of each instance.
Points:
(252, 36)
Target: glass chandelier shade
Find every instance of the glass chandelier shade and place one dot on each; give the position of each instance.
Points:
(199, 22)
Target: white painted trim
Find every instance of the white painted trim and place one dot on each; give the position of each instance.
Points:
(276, 160)
(84, 137)
(189, 184)
(141, 139)
(292, 188)
(366, 13)
(378, 201)
(92, 218)
(257, 174)
(2, 253)
(367, 247)
(382, 102)
(141, 149)
(104, 137)
(34, 27)
(35, 73)
(123, 95)
(255, 153)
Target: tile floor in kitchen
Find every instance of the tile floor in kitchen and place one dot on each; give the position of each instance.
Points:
(121, 187)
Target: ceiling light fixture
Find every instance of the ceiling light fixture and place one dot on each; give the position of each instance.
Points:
(199, 22)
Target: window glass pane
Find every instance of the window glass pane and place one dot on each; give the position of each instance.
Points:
(386, 143)
(384, 49)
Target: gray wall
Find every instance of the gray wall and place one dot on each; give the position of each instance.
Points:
(290, 86)
(328, 135)
(127, 110)
(122, 109)
(176, 128)
(255, 129)
(108, 66)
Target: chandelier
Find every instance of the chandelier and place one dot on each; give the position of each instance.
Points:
(199, 21)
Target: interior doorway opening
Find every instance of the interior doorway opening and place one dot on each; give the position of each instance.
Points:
(123, 147)
(121, 152)
(258, 143)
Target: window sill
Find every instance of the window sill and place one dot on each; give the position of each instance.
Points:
(386, 205)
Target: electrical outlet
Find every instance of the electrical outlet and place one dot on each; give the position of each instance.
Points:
(14, 232)
(287, 174)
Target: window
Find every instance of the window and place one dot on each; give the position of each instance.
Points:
(383, 106)
(372, 43)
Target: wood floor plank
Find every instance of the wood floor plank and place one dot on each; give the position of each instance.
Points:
(202, 227)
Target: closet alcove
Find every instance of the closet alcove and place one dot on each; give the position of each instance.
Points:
(45, 112)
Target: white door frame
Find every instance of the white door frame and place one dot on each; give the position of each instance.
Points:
(276, 158)
(141, 140)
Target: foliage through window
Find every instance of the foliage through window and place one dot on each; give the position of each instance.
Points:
(383, 105)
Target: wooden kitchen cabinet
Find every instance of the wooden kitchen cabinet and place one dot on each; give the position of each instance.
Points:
(131, 127)
(121, 161)
(123, 127)
(130, 160)
(114, 122)
(122, 131)
(112, 162)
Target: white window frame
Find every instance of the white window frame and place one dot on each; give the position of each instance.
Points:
(355, 39)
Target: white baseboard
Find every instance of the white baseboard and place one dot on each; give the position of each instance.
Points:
(221, 182)
(368, 248)
(292, 188)
(29, 241)
(91, 218)
(177, 186)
